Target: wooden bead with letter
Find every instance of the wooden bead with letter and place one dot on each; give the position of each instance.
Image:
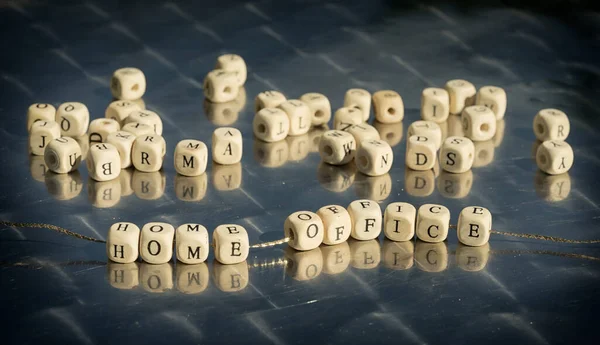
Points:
(191, 157)
(359, 99)
(554, 157)
(374, 157)
(494, 98)
(119, 110)
(191, 243)
(474, 226)
(128, 83)
(388, 106)
(363, 132)
(457, 154)
(156, 243)
(231, 244)
(123, 141)
(337, 147)
(433, 222)
(99, 129)
(227, 145)
(346, 117)
(103, 162)
(479, 123)
(233, 63)
(399, 221)
(462, 94)
(221, 86)
(148, 152)
(319, 106)
(41, 133)
(271, 124)
(147, 117)
(366, 219)
(435, 104)
(40, 112)
(299, 116)
(429, 129)
(138, 129)
(73, 119)
(122, 242)
(420, 153)
(62, 155)
(551, 124)
(268, 99)
(305, 230)
(336, 222)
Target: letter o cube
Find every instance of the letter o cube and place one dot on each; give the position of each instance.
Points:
(231, 244)
(148, 152)
(305, 230)
(103, 162)
(433, 222)
(474, 226)
(366, 219)
(191, 157)
(156, 243)
(40, 112)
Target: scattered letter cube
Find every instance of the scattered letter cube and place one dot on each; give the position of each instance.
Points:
(474, 226)
(191, 157)
(305, 230)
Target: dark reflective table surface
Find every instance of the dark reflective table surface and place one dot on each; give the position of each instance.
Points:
(58, 289)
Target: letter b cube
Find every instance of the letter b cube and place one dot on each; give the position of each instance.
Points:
(103, 162)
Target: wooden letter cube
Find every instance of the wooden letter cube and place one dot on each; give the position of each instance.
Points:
(551, 124)
(73, 118)
(494, 98)
(271, 124)
(99, 129)
(433, 222)
(429, 129)
(474, 226)
(221, 86)
(123, 141)
(359, 99)
(420, 153)
(435, 104)
(363, 132)
(305, 230)
(462, 94)
(156, 243)
(42, 132)
(103, 162)
(374, 158)
(192, 243)
(346, 117)
(268, 99)
(319, 106)
(399, 221)
(337, 147)
(299, 115)
(231, 244)
(388, 106)
(479, 123)
(128, 83)
(191, 157)
(554, 157)
(227, 145)
(148, 152)
(457, 154)
(123, 242)
(146, 117)
(62, 155)
(337, 224)
(366, 219)
(40, 112)
(120, 110)
(138, 129)
(233, 63)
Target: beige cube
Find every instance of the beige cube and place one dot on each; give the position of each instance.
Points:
(314, 135)
(435, 104)
(123, 141)
(299, 116)
(365, 255)
(457, 154)
(346, 117)
(99, 129)
(551, 124)
(62, 155)
(554, 157)
(271, 124)
(431, 257)
(123, 276)
(374, 158)
(40, 112)
(419, 183)
(359, 99)
(190, 188)
(337, 147)
(474, 226)
(73, 118)
(221, 86)
(123, 242)
(128, 83)
(104, 162)
(420, 152)
(138, 129)
(552, 188)
(472, 259)
(428, 129)
(304, 229)
(336, 178)
(192, 279)
(221, 114)
(231, 244)
(227, 145)
(233, 63)
(462, 94)
(363, 132)
(191, 157)
(376, 188)
(227, 177)
(148, 185)
(298, 147)
(391, 133)
(455, 186)
(125, 180)
(336, 222)
(191, 242)
(156, 278)
(156, 243)
(63, 186)
(146, 117)
(41, 134)
(105, 194)
(120, 110)
(479, 123)
(304, 265)
(399, 221)
(230, 278)
(433, 222)
(148, 152)
(494, 98)
(398, 255)
(268, 99)
(319, 106)
(388, 106)
(336, 258)
(271, 155)
(484, 153)
(366, 219)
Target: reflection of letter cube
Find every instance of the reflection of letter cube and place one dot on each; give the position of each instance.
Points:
(191, 157)
(73, 119)
(474, 226)
(221, 86)
(148, 152)
(420, 153)
(399, 221)
(156, 243)
(433, 222)
(305, 230)
(227, 145)
(128, 83)
(366, 219)
(192, 245)
(231, 244)
(62, 155)
(457, 154)
(230, 278)
(122, 243)
(104, 162)
(41, 134)
(554, 157)
(551, 124)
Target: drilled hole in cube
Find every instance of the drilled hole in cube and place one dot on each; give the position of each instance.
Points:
(540, 128)
(261, 128)
(391, 111)
(363, 162)
(135, 87)
(227, 89)
(227, 112)
(319, 113)
(482, 155)
(389, 136)
(543, 159)
(52, 160)
(328, 150)
(484, 127)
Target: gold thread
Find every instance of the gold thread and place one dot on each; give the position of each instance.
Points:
(51, 227)
(271, 244)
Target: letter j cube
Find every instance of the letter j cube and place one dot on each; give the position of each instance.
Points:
(474, 226)
(433, 222)
(231, 244)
